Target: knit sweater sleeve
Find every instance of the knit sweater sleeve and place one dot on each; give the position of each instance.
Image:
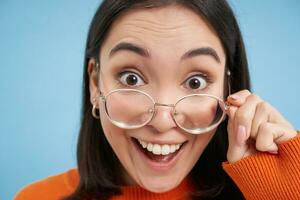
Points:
(267, 176)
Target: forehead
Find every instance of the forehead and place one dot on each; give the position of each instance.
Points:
(165, 30)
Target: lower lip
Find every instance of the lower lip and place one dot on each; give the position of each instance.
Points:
(157, 165)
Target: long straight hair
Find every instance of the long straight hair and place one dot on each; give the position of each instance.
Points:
(97, 162)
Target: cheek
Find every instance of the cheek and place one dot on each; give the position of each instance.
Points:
(120, 143)
(200, 143)
(115, 136)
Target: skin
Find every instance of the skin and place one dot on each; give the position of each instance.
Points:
(168, 33)
(254, 125)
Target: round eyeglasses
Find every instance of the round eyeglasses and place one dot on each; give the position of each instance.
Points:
(194, 113)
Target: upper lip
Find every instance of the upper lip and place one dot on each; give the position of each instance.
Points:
(161, 142)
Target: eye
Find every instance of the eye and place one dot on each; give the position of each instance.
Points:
(196, 82)
(131, 79)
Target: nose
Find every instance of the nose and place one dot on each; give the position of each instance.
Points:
(162, 120)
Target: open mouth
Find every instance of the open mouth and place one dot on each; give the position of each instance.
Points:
(161, 154)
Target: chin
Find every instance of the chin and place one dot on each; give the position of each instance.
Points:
(159, 184)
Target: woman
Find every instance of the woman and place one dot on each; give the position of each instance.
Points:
(160, 78)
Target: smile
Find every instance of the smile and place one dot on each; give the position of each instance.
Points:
(159, 149)
(159, 156)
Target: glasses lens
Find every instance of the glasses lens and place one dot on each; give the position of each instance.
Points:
(129, 108)
(198, 113)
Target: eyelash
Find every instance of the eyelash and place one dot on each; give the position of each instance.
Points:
(120, 74)
(205, 76)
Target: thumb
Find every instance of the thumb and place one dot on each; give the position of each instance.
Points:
(238, 146)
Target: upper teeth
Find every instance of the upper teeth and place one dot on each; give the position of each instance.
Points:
(158, 149)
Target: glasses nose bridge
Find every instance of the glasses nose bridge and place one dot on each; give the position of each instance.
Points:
(164, 105)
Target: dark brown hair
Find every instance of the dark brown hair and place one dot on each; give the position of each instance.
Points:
(97, 163)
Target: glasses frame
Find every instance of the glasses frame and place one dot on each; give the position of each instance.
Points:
(224, 105)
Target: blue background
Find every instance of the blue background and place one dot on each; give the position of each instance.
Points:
(41, 50)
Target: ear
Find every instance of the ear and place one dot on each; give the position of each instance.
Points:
(93, 81)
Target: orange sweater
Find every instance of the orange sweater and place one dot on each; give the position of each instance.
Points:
(261, 176)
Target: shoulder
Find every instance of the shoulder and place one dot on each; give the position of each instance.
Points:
(50, 188)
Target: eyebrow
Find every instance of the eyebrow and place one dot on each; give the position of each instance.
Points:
(126, 46)
(202, 51)
(129, 47)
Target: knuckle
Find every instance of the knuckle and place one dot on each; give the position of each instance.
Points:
(246, 91)
(261, 143)
(263, 106)
(264, 128)
(260, 146)
(254, 97)
(242, 93)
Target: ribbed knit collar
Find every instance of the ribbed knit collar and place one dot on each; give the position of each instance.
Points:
(137, 192)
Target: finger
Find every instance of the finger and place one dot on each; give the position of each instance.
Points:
(237, 140)
(261, 117)
(246, 113)
(267, 113)
(238, 98)
(270, 134)
(231, 111)
(265, 137)
(239, 126)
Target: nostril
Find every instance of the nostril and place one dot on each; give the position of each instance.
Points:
(163, 120)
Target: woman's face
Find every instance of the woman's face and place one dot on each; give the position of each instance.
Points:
(152, 50)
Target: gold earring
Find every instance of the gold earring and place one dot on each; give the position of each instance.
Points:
(94, 109)
(228, 72)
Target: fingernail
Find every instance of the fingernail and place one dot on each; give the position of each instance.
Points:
(241, 135)
(234, 97)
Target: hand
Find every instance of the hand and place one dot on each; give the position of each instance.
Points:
(254, 125)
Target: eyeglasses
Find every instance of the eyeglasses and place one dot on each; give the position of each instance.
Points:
(194, 113)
